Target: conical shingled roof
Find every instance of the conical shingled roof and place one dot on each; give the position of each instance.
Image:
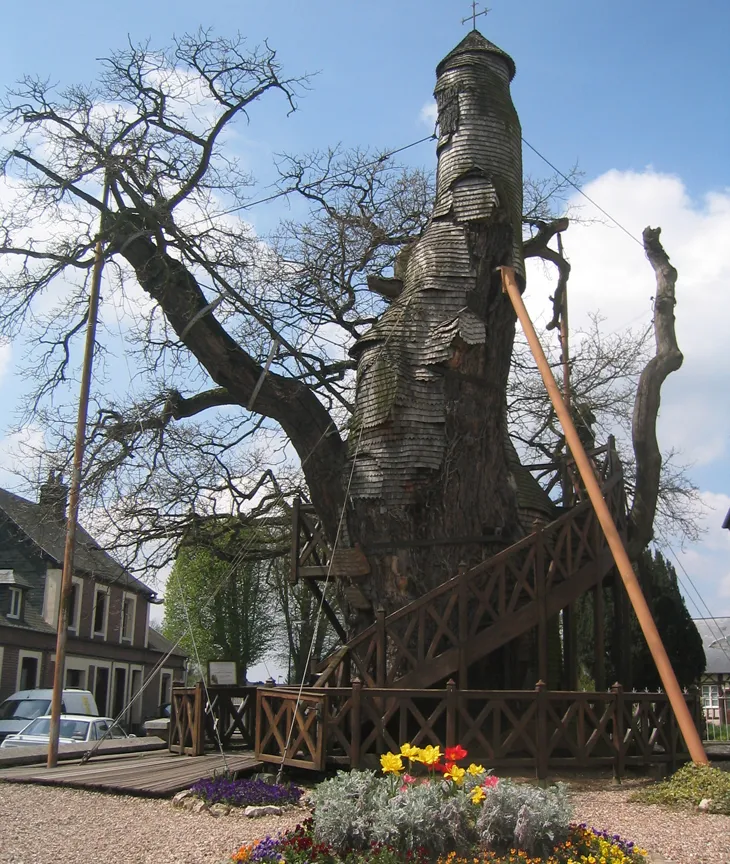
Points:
(472, 43)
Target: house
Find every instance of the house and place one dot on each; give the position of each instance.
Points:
(715, 682)
(111, 648)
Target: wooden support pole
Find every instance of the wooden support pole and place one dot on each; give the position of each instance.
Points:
(631, 583)
(74, 487)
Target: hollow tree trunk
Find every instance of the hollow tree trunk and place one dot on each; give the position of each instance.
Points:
(427, 445)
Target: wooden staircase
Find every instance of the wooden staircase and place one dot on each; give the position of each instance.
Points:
(471, 615)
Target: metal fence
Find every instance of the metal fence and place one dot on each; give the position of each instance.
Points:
(716, 713)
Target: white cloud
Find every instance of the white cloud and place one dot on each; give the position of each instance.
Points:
(429, 114)
(6, 354)
(611, 274)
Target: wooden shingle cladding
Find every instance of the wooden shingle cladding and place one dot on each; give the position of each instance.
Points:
(399, 425)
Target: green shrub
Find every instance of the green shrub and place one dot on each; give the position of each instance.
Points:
(688, 787)
(525, 817)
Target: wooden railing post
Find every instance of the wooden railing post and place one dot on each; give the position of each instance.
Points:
(619, 750)
(380, 660)
(672, 734)
(452, 711)
(542, 619)
(355, 723)
(542, 736)
(198, 737)
(463, 626)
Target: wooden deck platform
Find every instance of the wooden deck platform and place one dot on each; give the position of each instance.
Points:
(153, 775)
(10, 757)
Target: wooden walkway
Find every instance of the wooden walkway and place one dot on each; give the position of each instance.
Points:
(153, 775)
(10, 757)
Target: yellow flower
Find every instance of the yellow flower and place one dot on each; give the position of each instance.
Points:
(477, 795)
(430, 755)
(455, 773)
(475, 769)
(391, 763)
(408, 751)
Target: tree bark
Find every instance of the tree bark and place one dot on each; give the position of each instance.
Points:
(667, 359)
(289, 402)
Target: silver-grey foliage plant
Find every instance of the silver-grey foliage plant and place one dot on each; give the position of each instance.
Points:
(344, 807)
(352, 810)
(424, 817)
(525, 817)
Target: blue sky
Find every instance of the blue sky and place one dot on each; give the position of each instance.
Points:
(635, 93)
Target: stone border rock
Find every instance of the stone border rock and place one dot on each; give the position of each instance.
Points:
(189, 800)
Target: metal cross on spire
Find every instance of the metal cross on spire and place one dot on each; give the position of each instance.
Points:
(474, 14)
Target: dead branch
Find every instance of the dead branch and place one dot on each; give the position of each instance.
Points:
(667, 359)
(537, 247)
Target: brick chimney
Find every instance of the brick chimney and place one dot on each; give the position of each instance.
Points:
(54, 496)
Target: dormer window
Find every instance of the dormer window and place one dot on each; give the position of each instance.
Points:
(12, 588)
(16, 602)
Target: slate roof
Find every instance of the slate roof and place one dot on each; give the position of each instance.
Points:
(9, 577)
(49, 535)
(474, 43)
(717, 646)
(157, 642)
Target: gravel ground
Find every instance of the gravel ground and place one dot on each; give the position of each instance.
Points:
(46, 825)
(43, 825)
(679, 836)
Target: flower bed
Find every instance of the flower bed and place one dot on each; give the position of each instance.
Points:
(428, 808)
(246, 792)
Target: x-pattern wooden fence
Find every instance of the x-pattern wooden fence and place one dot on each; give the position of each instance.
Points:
(539, 729)
(477, 611)
(291, 725)
(195, 723)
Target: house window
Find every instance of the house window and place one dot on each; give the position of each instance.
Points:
(165, 687)
(128, 606)
(74, 605)
(76, 678)
(101, 607)
(28, 671)
(710, 696)
(16, 598)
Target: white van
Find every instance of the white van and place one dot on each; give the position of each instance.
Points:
(18, 710)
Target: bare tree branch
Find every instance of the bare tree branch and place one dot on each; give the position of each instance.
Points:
(667, 359)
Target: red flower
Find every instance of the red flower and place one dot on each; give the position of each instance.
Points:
(453, 754)
(440, 767)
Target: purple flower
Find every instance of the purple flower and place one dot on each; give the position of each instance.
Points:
(245, 792)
